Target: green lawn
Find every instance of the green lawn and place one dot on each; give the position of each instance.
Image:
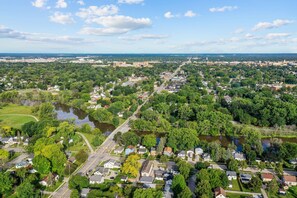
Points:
(235, 185)
(232, 195)
(15, 116)
(15, 109)
(15, 121)
(89, 137)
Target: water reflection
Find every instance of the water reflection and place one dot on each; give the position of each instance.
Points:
(80, 117)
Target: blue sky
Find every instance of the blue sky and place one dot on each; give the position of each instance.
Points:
(148, 26)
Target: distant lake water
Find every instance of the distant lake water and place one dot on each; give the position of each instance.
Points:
(65, 112)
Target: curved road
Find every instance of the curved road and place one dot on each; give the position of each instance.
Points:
(86, 141)
(102, 153)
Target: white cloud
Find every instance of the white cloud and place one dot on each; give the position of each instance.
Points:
(130, 1)
(239, 31)
(61, 18)
(61, 4)
(94, 11)
(113, 25)
(223, 9)
(274, 24)
(37, 37)
(81, 2)
(190, 13)
(144, 37)
(169, 15)
(39, 3)
(271, 36)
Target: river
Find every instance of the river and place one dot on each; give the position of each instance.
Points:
(65, 112)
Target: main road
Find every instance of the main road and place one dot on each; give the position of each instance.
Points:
(102, 153)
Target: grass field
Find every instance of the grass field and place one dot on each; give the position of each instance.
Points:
(15, 116)
(232, 195)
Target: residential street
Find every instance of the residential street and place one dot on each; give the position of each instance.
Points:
(102, 153)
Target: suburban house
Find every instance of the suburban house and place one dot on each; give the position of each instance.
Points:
(22, 164)
(147, 168)
(239, 156)
(49, 180)
(171, 167)
(141, 150)
(182, 154)
(289, 180)
(153, 151)
(101, 171)
(84, 192)
(267, 177)
(96, 179)
(198, 151)
(232, 175)
(112, 164)
(119, 150)
(245, 178)
(219, 193)
(72, 160)
(130, 149)
(206, 157)
(124, 178)
(190, 154)
(146, 180)
(159, 174)
(167, 151)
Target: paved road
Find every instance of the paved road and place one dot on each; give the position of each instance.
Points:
(255, 170)
(86, 141)
(102, 153)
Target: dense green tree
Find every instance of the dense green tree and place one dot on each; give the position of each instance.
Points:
(78, 182)
(178, 184)
(147, 193)
(149, 141)
(184, 168)
(42, 164)
(273, 187)
(255, 183)
(25, 190)
(5, 183)
(232, 165)
(81, 156)
(74, 194)
(182, 139)
(130, 138)
(46, 111)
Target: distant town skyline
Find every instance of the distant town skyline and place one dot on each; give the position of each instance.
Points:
(148, 26)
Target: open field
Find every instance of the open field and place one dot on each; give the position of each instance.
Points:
(15, 116)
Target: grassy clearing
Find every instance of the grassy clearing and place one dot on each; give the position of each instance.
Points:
(235, 185)
(232, 195)
(90, 138)
(15, 116)
(15, 121)
(15, 109)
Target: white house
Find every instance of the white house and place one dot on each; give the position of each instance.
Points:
(182, 154)
(119, 150)
(232, 175)
(96, 179)
(206, 157)
(112, 164)
(239, 156)
(190, 154)
(198, 151)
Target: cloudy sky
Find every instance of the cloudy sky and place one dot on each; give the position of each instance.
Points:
(148, 26)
